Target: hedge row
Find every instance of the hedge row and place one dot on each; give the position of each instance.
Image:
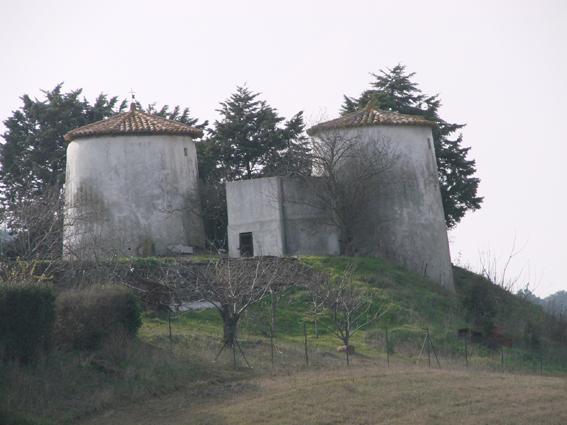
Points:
(86, 317)
(32, 319)
(27, 315)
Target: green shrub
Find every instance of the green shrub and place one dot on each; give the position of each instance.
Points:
(85, 317)
(27, 314)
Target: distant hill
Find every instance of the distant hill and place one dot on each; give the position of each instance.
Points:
(555, 303)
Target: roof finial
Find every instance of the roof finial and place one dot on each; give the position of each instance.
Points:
(133, 103)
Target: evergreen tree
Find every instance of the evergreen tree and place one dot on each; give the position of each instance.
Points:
(394, 90)
(249, 140)
(176, 114)
(252, 140)
(33, 154)
(33, 158)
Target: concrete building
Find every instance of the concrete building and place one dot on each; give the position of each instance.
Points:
(131, 188)
(403, 222)
(274, 216)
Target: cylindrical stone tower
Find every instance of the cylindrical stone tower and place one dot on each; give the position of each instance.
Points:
(132, 188)
(405, 222)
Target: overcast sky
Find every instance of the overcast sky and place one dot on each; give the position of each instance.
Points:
(499, 66)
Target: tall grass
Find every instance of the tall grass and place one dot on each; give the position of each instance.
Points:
(64, 386)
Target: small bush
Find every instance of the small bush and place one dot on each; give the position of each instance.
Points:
(85, 317)
(27, 314)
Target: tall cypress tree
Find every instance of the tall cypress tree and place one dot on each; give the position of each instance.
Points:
(394, 90)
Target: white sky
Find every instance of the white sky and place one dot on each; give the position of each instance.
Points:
(499, 66)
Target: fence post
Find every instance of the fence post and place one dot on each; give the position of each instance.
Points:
(272, 343)
(305, 339)
(387, 348)
(466, 351)
(169, 325)
(428, 348)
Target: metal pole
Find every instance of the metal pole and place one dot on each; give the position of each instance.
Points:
(272, 344)
(428, 348)
(387, 348)
(169, 324)
(305, 339)
(466, 352)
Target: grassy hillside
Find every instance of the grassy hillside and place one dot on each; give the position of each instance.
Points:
(66, 386)
(414, 304)
(370, 395)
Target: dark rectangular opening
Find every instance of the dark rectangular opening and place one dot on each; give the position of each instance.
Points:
(246, 245)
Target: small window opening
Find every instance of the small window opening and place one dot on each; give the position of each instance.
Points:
(246, 244)
(185, 151)
(429, 144)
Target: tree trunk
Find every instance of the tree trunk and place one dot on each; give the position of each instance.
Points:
(346, 341)
(273, 318)
(230, 325)
(346, 240)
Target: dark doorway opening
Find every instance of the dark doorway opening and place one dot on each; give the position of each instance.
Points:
(246, 245)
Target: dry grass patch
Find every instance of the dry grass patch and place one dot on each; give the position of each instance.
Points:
(401, 395)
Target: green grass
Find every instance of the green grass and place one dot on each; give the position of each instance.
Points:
(416, 304)
(66, 386)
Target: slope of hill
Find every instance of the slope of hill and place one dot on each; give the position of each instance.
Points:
(179, 363)
(371, 395)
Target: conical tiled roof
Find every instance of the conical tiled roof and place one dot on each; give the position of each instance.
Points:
(131, 123)
(370, 116)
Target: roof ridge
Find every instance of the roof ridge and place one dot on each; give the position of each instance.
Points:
(133, 122)
(370, 115)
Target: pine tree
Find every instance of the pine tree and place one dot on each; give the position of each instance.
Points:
(249, 140)
(33, 155)
(252, 140)
(33, 159)
(176, 114)
(394, 90)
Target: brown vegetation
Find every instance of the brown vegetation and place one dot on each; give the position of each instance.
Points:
(370, 395)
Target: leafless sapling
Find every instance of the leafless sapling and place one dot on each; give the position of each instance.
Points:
(352, 307)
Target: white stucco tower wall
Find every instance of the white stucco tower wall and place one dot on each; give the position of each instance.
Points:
(405, 221)
(131, 194)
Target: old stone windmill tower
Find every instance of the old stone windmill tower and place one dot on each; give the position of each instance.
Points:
(132, 188)
(403, 221)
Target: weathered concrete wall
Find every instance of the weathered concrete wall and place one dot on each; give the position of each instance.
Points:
(405, 221)
(277, 211)
(131, 195)
(253, 207)
(309, 229)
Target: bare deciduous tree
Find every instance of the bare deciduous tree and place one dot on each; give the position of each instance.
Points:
(233, 285)
(348, 174)
(38, 226)
(352, 307)
(498, 274)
